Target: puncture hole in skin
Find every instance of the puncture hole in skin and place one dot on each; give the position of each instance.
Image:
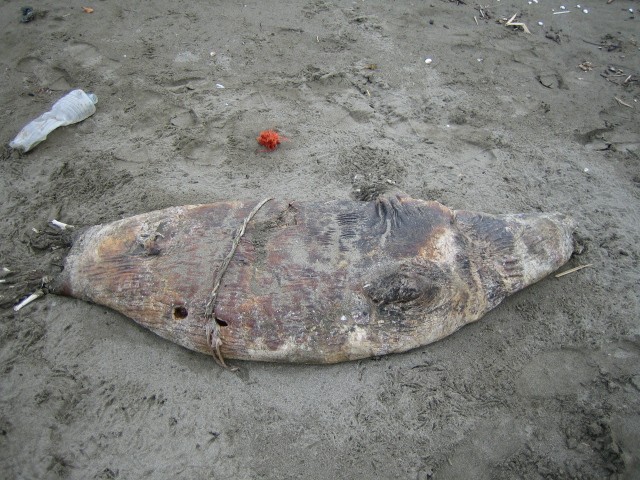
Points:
(222, 323)
(180, 312)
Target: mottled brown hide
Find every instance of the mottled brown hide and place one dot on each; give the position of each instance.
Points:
(313, 282)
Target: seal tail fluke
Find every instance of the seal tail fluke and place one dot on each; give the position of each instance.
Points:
(16, 285)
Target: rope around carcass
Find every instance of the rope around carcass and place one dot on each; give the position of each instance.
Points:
(212, 328)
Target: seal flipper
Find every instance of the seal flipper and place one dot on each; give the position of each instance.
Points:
(389, 207)
(392, 205)
(367, 190)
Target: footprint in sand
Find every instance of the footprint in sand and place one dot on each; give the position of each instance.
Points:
(153, 110)
(43, 74)
(89, 57)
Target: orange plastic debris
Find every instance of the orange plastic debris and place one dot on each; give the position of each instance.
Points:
(270, 139)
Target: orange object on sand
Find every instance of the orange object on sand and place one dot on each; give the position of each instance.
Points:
(87, 9)
(270, 139)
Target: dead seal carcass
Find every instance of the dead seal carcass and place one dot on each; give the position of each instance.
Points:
(318, 282)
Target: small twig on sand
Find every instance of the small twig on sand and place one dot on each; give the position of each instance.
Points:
(60, 225)
(412, 127)
(621, 102)
(593, 43)
(263, 100)
(571, 270)
(29, 299)
(476, 19)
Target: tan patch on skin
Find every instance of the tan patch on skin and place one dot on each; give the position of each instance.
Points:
(111, 246)
(440, 247)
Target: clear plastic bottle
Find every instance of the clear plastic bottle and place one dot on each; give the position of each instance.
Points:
(72, 108)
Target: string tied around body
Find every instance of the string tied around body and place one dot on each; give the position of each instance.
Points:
(212, 328)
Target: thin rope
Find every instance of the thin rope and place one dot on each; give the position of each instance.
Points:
(212, 328)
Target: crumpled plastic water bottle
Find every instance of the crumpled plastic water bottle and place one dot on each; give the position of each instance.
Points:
(72, 108)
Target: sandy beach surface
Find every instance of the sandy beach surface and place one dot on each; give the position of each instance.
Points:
(444, 99)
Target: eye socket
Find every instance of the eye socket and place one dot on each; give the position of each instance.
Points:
(180, 312)
(412, 283)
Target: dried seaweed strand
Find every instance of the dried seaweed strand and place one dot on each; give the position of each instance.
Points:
(511, 23)
(213, 329)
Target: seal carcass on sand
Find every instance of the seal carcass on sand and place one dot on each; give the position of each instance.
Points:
(319, 282)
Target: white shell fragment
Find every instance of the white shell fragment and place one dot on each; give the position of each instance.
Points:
(28, 300)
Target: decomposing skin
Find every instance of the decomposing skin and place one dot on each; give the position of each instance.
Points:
(320, 282)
